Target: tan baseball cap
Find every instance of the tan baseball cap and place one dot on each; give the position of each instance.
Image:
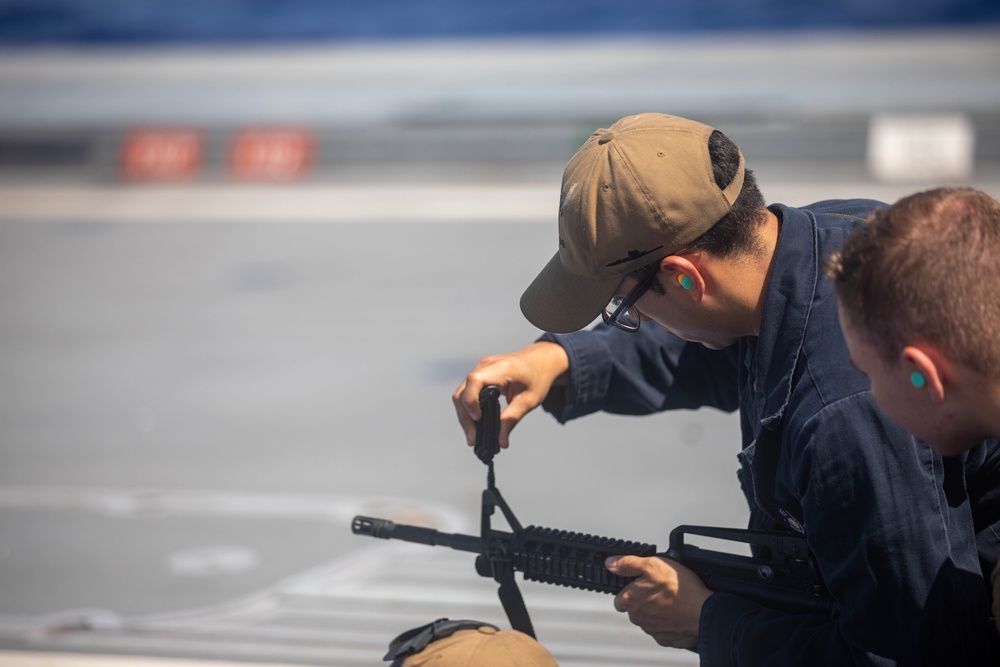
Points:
(483, 647)
(632, 194)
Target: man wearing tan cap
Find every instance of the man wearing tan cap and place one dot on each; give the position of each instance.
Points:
(711, 298)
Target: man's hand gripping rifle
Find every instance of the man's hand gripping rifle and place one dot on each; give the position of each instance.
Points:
(781, 574)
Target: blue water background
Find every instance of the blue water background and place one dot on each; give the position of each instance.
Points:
(98, 22)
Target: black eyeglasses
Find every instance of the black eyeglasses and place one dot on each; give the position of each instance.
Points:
(621, 311)
(417, 639)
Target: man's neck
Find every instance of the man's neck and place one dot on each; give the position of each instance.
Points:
(739, 284)
(979, 399)
(989, 408)
(762, 263)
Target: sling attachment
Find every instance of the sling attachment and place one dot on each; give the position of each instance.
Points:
(495, 560)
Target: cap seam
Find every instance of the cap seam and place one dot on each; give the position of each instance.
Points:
(651, 204)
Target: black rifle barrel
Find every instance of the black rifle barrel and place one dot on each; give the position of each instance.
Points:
(387, 530)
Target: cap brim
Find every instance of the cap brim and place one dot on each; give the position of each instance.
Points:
(560, 302)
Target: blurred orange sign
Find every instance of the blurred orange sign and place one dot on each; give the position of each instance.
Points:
(271, 155)
(162, 155)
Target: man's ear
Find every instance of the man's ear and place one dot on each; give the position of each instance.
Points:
(932, 366)
(683, 274)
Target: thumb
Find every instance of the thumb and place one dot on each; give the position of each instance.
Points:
(626, 566)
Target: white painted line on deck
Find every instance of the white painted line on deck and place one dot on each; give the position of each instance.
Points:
(286, 203)
(371, 204)
(139, 503)
(33, 659)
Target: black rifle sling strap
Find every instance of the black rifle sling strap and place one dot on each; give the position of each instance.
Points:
(497, 558)
(494, 556)
(513, 603)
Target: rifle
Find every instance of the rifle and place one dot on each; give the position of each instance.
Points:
(781, 573)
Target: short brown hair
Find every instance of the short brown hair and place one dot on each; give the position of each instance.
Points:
(927, 269)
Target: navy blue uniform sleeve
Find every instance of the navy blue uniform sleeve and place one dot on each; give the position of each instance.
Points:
(641, 372)
(896, 549)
